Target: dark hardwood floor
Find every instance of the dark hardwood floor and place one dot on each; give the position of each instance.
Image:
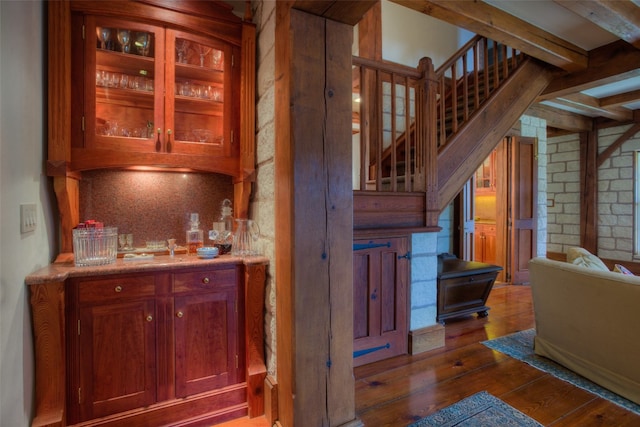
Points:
(399, 391)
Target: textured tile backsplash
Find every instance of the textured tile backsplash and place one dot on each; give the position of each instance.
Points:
(153, 205)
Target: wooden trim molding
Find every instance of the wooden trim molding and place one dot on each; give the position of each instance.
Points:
(48, 308)
(426, 339)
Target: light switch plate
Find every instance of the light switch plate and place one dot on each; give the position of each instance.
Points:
(28, 217)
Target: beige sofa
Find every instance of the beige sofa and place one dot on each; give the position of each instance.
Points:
(589, 321)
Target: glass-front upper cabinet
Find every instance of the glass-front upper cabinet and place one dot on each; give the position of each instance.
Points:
(151, 89)
(197, 109)
(124, 84)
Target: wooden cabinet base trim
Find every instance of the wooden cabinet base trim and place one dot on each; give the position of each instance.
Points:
(271, 399)
(203, 409)
(426, 339)
(47, 308)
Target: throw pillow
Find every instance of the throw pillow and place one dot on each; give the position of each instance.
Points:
(584, 258)
(622, 269)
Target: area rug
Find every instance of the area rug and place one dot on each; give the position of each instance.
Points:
(480, 409)
(520, 346)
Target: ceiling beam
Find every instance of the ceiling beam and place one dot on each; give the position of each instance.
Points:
(621, 18)
(486, 20)
(610, 63)
(620, 99)
(592, 107)
(561, 119)
(345, 11)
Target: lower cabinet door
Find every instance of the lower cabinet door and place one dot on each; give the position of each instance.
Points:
(206, 334)
(117, 358)
(380, 277)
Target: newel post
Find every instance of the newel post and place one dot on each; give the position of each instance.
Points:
(427, 144)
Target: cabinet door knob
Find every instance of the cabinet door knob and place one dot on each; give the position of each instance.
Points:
(179, 314)
(118, 288)
(158, 142)
(149, 318)
(168, 140)
(205, 280)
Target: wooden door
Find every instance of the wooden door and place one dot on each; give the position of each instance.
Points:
(465, 239)
(522, 200)
(380, 275)
(117, 358)
(206, 333)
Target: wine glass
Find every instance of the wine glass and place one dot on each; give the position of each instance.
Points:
(143, 40)
(203, 51)
(103, 34)
(181, 46)
(124, 36)
(217, 58)
(122, 240)
(202, 135)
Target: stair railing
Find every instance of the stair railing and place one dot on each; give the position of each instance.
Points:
(468, 79)
(384, 114)
(404, 116)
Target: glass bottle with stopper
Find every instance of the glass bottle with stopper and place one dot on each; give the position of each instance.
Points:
(195, 236)
(222, 233)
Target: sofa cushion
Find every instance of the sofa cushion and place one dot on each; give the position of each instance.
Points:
(584, 258)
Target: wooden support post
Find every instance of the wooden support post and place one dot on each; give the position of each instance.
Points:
(588, 190)
(314, 213)
(427, 141)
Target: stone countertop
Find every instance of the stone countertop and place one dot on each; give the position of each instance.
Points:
(59, 272)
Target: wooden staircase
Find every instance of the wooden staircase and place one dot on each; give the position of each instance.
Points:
(445, 121)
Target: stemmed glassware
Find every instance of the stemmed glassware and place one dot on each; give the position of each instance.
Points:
(103, 34)
(202, 135)
(124, 36)
(143, 41)
(181, 46)
(217, 58)
(203, 51)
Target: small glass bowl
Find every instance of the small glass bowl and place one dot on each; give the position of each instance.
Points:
(207, 252)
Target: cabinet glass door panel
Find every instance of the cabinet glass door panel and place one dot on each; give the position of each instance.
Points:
(197, 70)
(125, 99)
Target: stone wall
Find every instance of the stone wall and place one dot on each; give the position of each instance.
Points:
(615, 194)
(537, 128)
(563, 192)
(424, 285)
(263, 197)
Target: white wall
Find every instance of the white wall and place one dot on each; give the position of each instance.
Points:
(409, 36)
(22, 180)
